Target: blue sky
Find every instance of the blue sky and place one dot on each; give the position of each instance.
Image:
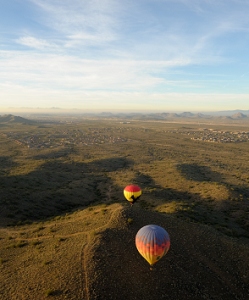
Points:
(125, 55)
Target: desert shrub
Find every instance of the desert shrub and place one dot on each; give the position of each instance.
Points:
(36, 242)
(19, 244)
(49, 293)
(130, 220)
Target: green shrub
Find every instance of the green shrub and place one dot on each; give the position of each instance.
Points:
(130, 220)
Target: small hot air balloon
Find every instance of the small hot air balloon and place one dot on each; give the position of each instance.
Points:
(152, 242)
(132, 193)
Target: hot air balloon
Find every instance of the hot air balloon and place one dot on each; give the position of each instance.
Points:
(132, 193)
(152, 242)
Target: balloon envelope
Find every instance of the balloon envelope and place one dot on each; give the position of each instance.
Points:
(132, 192)
(152, 242)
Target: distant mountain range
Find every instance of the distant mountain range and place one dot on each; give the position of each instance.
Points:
(229, 112)
(233, 115)
(229, 115)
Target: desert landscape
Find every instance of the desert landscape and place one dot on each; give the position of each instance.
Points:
(67, 232)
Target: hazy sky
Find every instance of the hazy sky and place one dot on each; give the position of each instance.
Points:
(110, 55)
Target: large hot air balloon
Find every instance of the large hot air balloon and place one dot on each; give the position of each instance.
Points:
(132, 193)
(152, 242)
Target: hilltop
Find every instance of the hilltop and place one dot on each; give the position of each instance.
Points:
(15, 119)
(239, 115)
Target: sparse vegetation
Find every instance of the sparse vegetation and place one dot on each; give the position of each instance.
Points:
(59, 203)
(49, 293)
(18, 244)
(130, 220)
(36, 242)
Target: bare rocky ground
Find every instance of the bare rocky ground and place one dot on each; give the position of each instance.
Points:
(201, 263)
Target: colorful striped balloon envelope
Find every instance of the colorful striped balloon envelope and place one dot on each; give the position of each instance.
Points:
(152, 242)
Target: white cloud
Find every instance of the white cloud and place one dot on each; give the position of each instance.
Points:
(75, 47)
(126, 28)
(33, 42)
(68, 72)
(88, 20)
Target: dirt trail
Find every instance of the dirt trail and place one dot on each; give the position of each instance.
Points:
(89, 235)
(85, 251)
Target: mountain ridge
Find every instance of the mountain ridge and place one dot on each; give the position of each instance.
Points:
(232, 115)
(9, 118)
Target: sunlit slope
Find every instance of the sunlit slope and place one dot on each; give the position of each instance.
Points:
(48, 258)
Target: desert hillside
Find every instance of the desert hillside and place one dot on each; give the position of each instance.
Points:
(90, 254)
(67, 232)
(201, 263)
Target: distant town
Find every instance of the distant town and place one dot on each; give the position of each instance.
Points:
(64, 138)
(215, 136)
(45, 138)
(98, 136)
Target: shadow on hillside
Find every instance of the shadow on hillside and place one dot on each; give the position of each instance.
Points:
(238, 195)
(6, 163)
(54, 154)
(56, 188)
(159, 193)
(228, 215)
(198, 173)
